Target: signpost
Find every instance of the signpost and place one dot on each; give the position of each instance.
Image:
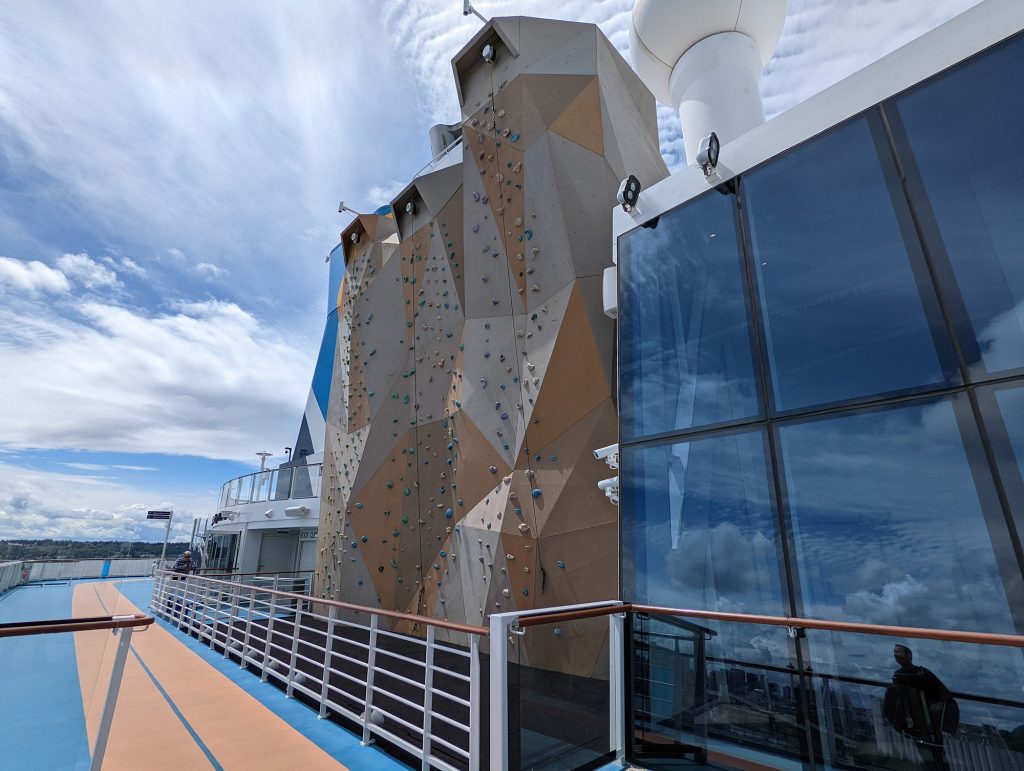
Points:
(165, 515)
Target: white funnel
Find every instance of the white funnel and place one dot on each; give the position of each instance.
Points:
(705, 57)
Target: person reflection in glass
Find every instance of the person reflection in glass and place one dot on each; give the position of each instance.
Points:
(919, 705)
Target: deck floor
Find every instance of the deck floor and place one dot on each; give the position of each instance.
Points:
(181, 705)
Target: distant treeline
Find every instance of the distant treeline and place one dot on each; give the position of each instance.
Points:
(49, 549)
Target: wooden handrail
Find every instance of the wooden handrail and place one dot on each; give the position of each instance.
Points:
(482, 631)
(922, 633)
(84, 624)
(947, 635)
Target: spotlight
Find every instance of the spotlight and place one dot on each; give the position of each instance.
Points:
(629, 193)
(354, 238)
(707, 153)
(410, 208)
(488, 53)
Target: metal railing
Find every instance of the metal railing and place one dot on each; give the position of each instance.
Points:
(400, 677)
(409, 680)
(11, 574)
(294, 581)
(122, 626)
(508, 627)
(279, 484)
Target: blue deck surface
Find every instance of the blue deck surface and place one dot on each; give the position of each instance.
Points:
(42, 723)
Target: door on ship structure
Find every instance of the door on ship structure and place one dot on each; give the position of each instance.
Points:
(277, 552)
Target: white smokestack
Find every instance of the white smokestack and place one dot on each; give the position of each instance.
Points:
(705, 57)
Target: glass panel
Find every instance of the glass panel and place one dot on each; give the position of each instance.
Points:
(281, 484)
(699, 526)
(684, 328)
(696, 694)
(977, 200)
(302, 482)
(559, 696)
(889, 521)
(245, 489)
(840, 295)
(261, 486)
(946, 706)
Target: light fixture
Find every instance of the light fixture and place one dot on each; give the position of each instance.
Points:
(707, 153)
(628, 193)
(410, 208)
(488, 53)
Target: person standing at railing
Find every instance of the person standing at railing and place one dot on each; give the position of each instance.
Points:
(920, 705)
(184, 564)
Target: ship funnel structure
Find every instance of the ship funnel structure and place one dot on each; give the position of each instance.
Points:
(705, 57)
(442, 136)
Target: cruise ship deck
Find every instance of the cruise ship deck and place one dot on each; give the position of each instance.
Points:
(180, 705)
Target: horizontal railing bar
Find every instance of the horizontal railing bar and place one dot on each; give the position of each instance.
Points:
(853, 627)
(401, 699)
(456, 651)
(84, 624)
(425, 620)
(449, 745)
(946, 635)
(400, 721)
(450, 721)
(400, 657)
(402, 679)
(450, 697)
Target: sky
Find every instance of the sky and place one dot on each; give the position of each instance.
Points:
(169, 182)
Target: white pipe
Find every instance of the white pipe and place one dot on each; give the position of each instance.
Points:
(714, 87)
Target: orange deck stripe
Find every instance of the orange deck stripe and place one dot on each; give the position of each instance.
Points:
(238, 730)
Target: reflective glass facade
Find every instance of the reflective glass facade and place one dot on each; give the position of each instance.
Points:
(822, 415)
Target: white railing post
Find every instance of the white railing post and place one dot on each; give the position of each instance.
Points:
(295, 651)
(328, 654)
(428, 696)
(371, 661)
(270, 634)
(248, 627)
(474, 702)
(203, 617)
(111, 701)
(500, 622)
(616, 685)
(229, 634)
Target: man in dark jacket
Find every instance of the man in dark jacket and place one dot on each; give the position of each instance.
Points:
(919, 705)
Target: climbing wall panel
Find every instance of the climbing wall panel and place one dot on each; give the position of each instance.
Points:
(475, 360)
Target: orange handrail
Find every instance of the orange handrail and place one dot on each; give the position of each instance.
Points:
(482, 631)
(948, 635)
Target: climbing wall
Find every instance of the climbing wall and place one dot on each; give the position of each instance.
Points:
(475, 371)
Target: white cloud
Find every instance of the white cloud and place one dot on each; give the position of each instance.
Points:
(39, 504)
(823, 41)
(208, 379)
(379, 195)
(33, 276)
(85, 270)
(209, 270)
(227, 131)
(129, 265)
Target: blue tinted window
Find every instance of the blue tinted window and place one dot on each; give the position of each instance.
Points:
(888, 519)
(699, 525)
(847, 311)
(684, 329)
(965, 133)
